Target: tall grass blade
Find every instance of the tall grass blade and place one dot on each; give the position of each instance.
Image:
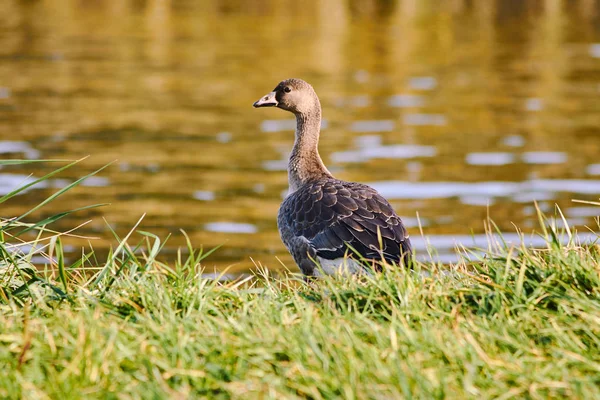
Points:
(60, 260)
(122, 245)
(36, 181)
(56, 217)
(20, 162)
(60, 192)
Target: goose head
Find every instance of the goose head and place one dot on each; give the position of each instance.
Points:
(293, 95)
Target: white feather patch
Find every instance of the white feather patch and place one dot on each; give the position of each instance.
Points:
(339, 266)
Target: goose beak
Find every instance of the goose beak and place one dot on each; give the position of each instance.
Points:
(267, 101)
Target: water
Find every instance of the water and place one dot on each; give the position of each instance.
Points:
(455, 111)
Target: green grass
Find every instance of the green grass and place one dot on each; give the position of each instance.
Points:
(523, 323)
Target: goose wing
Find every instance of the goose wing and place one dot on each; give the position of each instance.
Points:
(334, 215)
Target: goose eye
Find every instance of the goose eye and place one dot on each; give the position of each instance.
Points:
(287, 89)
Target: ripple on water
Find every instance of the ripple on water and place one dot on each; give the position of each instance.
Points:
(583, 211)
(151, 167)
(490, 158)
(514, 141)
(594, 50)
(477, 200)
(354, 101)
(444, 245)
(503, 158)
(230, 227)
(380, 125)
(367, 141)
(534, 104)
(9, 146)
(425, 190)
(399, 151)
(530, 197)
(224, 137)
(204, 195)
(410, 222)
(422, 83)
(437, 190)
(424, 120)
(544, 157)
(362, 76)
(281, 125)
(278, 125)
(275, 165)
(359, 101)
(10, 182)
(593, 169)
(94, 181)
(581, 186)
(406, 101)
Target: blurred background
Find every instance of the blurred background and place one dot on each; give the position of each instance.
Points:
(454, 110)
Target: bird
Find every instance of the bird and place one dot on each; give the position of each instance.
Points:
(328, 225)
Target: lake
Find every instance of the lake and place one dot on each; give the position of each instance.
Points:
(456, 111)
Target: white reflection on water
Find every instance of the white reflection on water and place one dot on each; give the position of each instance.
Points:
(530, 157)
(281, 125)
(444, 245)
(544, 157)
(383, 125)
(230, 227)
(278, 125)
(151, 167)
(362, 76)
(593, 169)
(531, 210)
(259, 188)
(275, 165)
(224, 137)
(424, 119)
(490, 158)
(360, 101)
(530, 197)
(8, 146)
(437, 190)
(595, 50)
(367, 141)
(406, 101)
(204, 195)
(415, 222)
(355, 101)
(397, 151)
(514, 141)
(583, 211)
(10, 182)
(477, 200)
(92, 181)
(422, 83)
(534, 104)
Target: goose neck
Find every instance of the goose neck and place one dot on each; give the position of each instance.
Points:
(305, 164)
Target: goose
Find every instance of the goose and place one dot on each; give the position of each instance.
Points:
(329, 225)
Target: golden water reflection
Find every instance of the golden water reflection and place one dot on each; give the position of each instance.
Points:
(445, 107)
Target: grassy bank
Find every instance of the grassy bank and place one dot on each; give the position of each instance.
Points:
(521, 323)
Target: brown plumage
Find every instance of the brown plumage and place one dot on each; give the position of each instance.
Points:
(323, 218)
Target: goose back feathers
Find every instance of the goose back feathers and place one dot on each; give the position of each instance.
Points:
(336, 218)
